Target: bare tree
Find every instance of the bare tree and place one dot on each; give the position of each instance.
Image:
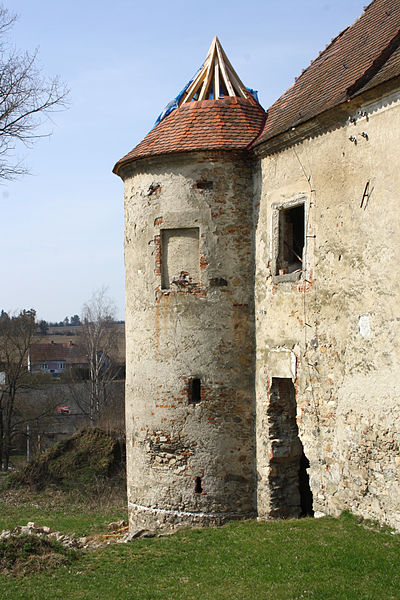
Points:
(99, 340)
(16, 335)
(26, 99)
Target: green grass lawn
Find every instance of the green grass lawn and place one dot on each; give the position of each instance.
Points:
(325, 559)
(73, 519)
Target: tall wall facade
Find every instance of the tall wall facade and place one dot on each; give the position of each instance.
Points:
(330, 338)
(190, 402)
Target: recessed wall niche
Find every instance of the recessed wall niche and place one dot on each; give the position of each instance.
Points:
(180, 258)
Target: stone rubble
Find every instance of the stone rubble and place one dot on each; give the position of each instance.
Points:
(119, 534)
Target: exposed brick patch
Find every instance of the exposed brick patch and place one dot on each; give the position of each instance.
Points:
(154, 188)
(304, 285)
(196, 289)
(203, 262)
(166, 450)
(157, 245)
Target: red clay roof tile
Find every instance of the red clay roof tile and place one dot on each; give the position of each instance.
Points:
(359, 58)
(226, 124)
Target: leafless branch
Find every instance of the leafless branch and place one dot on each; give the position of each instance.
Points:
(26, 100)
(99, 339)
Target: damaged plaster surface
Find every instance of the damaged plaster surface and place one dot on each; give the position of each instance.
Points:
(245, 386)
(190, 340)
(341, 319)
(263, 295)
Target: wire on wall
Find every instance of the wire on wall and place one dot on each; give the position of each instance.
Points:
(306, 324)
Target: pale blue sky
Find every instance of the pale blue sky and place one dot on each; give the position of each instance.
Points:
(61, 228)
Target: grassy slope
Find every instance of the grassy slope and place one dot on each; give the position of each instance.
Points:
(325, 559)
(320, 559)
(87, 457)
(82, 483)
(71, 518)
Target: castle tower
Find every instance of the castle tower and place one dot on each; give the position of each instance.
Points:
(190, 403)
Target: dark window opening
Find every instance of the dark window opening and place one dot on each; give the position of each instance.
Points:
(291, 495)
(198, 489)
(218, 282)
(195, 391)
(291, 240)
(203, 185)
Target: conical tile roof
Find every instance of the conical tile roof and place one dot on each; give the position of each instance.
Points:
(214, 112)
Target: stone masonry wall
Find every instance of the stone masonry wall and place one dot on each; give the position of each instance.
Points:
(334, 331)
(191, 460)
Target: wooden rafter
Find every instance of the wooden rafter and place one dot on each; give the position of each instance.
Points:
(234, 77)
(215, 75)
(206, 82)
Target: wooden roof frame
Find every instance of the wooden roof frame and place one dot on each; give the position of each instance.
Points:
(218, 72)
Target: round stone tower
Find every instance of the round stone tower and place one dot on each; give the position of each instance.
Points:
(190, 404)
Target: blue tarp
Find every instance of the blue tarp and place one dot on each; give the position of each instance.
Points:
(175, 102)
(254, 93)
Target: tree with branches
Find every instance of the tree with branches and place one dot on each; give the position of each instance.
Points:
(16, 333)
(99, 341)
(26, 99)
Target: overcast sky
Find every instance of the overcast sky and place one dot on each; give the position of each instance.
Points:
(61, 228)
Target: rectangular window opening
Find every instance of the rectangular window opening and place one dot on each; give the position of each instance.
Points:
(195, 391)
(291, 240)
(180, 258)
(202, 184)
(198, 488)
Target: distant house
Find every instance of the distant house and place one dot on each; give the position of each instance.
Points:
(55, 358)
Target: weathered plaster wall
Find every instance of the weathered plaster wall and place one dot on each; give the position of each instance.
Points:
(201, 327)
(336, 332)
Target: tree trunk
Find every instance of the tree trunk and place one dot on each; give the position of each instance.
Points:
(1, 437)
(7, 429)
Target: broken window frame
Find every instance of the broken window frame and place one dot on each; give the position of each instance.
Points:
(277, 239)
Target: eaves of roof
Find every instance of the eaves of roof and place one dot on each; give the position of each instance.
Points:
(230, 123)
